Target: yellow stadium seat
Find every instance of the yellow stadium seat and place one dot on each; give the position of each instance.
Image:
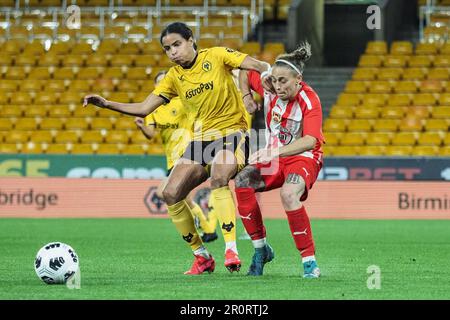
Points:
(97, 60)
(414, 73)
(378, 100)
(94, 136)
(138, 138)
(364, 74)
(390, 74)
(65, 73)
(25, 60)
(71, 98)
(15, 73)
(344, 112)
(73, 60)
(54, 86)
(57, 148)
(6, 124)
(372, 151)
(360, 125)
(11, 111)
(431, 86)
(31, 85)
(438, 74)
(420, 61)
(106, 113)
(399, 100)
(138, 73)
(356, 87)
(44, 98)
(328, 150)
(82, 48)
(41, 136)
(430, 138)
(367, 112)
(424, 99)
(376, 47)
(116, 136)
(441, 112)
(114, 32)
(395, 61)
(77, 123)
(17, 136)
(13, 46)
(443, 152)
(445, 49)
(426, 49)
(112, 73)
(109, 149)
(252, 48)
(67, 136)
(333, 138)
(370, 61)
(4, 97)
(101, 123)
(446, 139)
(123, 97)
(26, 124)
(419, 112)
(90, 73)
(38, 111)
(40, 73)
(9, 85)
(276, 47)
(380, 86)
(347, 99)
(406, 87)
(51, 123)
(60, 48)
(32, 147)
(401, 151)
(6, 60)
(155, 149)
(346, 150)
(120, 60)
(411, 124)
(128, 86)
(425, 151)
(135, 149)
(401, 48)
(82, 148)
(442, 61)
(80, 85)
(393, 113)
(404, 139)
(165, 62)
(353, 139)
(109, 46)
(145, 61)
(125, 123)
(129, 48)
(379, 138)
(386, 125)
(335, 125)
(437, 125)
(10, 148)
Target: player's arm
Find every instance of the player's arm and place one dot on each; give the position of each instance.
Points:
(148, 130)
(245, 87)
(141, 109)
(263, 68)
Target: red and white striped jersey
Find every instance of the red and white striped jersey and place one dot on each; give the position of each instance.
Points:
(287, 121)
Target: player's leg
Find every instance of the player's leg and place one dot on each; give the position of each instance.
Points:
(185, 176)
(223, 168)
(208, 227)
(299, 179)
(248, 182)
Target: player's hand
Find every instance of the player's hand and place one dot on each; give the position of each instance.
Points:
(139, 122)
(267, 84)
(96, 100)
(250, 104)
(263, 156)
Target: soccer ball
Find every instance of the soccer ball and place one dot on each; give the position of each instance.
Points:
(56, 262)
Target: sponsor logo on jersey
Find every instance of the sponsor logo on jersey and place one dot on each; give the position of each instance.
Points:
(199, 90)
(285, 136)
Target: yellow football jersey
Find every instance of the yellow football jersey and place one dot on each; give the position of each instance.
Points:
(208, 92)
(174, 127)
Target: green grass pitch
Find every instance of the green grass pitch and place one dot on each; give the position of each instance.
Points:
(145, 259)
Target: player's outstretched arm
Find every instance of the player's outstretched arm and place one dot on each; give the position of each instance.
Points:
(147, 130)
(140, 109)
(247, 97)
(263, 68)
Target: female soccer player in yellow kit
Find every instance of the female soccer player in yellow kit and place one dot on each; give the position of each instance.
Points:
(203, 81)
(172, 123)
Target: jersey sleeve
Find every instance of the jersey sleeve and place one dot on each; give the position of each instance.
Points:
(254, 79)
(312, 118)
(230, 57)
(166, 87)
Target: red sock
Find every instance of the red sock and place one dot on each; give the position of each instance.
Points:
(301, 231)
(250, 213)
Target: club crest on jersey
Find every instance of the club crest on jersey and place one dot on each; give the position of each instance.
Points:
(206, 66)
(285, 136)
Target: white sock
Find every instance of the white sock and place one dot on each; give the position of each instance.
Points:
(202, 252)
(231, 245)
(308, 259)
(260, 243)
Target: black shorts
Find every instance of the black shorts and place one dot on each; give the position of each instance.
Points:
(203, 152)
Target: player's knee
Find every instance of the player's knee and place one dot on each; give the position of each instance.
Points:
(171, 195)
(290, 195)
(219, 181)
(241, 180)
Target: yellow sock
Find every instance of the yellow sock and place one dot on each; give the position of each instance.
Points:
(226, 212)
(184, 222)
(212, 215)
(204, 223)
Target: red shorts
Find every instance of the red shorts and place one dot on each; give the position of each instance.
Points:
(277, 172)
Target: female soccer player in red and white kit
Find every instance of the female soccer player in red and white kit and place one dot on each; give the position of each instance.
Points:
(291, 159)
